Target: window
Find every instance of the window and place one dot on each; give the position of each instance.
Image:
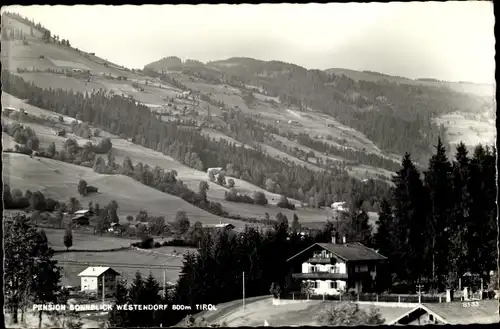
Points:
(333, 285)
(315, 284)
(313, 269)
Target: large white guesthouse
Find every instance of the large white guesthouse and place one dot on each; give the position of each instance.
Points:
(336, 267)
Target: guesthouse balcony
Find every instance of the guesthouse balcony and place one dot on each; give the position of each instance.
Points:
(321, 260)
(320, 276)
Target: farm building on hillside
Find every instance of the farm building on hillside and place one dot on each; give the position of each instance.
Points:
(82, 217)
(220, 226)
(339, 206)
(8, 110)
(60, 132)
(116, 228)
(69, 65)
(95, 279)
(333, 268)
(450, 313)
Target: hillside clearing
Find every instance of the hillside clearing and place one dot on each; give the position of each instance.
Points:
(86, 241)
(59, 180)
(471, 129)
(59, 81)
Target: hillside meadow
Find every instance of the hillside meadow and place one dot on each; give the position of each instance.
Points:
(126, 262)
(59, 180)
(86, 241)
(118, 185)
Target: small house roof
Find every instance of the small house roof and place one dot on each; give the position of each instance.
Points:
(220, 225)
(96, 271)
(455, 313)
(82, 212)
(351, 251)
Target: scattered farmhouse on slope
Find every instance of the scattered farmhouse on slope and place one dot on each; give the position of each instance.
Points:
(93, 279)
(339, 206)
(333, 268)
(221, 226)
(82, 217)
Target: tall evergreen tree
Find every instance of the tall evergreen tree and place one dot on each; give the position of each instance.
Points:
(383, 240)
(439, 220)
(119, 318)
(461, 224)
(136, 295)
(483, 209)
(295, 228)
(410, 207)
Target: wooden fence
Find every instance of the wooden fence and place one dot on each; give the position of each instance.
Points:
(366, 297)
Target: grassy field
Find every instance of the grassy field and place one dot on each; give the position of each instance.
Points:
(470, 129)
(86, 241)
(59, 180)
(17, 55)
(191, 177)
(56, 81)
(260, 309)
(126, 262)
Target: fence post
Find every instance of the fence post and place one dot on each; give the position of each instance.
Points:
(399, 299)
(440, 299)
(323, 296)
(376, 297)
(293, 296)
(358, 296)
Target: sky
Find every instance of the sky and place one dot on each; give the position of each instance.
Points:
(451, 41)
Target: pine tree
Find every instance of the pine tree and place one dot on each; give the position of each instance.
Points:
(151, 293)
(295, 228)
(45, 285)
(119, 318)
(136, 296)
(410, 207)
(461, 222)
(482, 210)
(439, 185)
(383, 238)
(68, 237)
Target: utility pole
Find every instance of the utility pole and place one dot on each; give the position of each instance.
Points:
(103, 289)
(164, 284)
(420, 293)
(243, 290)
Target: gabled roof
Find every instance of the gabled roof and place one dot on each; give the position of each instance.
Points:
(219, 225)
(96, 271)
(351, 251)
(82, 212)
(455, 313)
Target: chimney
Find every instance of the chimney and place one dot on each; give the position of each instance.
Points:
(344, 239)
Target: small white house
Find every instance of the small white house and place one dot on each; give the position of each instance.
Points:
(93, 279)
(339, 206)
